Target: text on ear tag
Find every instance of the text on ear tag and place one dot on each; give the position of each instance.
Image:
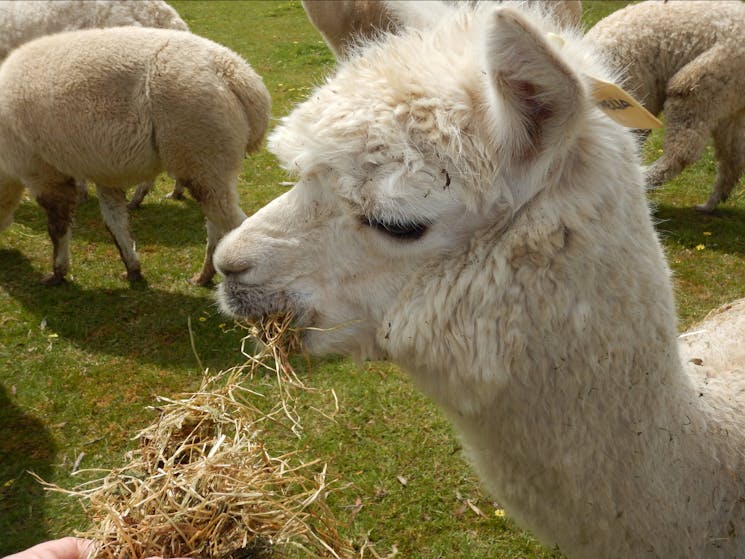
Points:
(622, 107)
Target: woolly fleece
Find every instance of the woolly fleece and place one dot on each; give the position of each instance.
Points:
(118, 106)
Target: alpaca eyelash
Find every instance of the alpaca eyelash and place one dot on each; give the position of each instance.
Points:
(405, 231)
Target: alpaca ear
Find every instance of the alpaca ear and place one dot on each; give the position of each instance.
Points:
(344, 24)
(535, 96)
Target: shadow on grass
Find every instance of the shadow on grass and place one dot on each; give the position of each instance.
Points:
(145, 324)
(721, 231)
(25, 446)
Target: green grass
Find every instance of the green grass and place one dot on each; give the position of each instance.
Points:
(79, 364)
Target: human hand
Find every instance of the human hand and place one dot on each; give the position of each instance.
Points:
(64, 548)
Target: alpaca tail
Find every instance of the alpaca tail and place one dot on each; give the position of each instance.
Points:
(250, 90)
(10, 197)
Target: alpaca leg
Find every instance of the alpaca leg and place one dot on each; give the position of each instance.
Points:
(59, 201)
(220, 207)
(214, 234)
(697, 98)
(11, 194)
(82, 187)
(114, 211)
(680, 148)
(729, 142)
(146, 187)
(143, 189)
(204, 277)
(178, 191)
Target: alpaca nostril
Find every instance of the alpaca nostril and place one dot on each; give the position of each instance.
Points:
(229, 267)
(230, 262)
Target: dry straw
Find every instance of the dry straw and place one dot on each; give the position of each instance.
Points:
(203, 484)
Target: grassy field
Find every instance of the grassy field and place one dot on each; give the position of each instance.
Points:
(80, 363)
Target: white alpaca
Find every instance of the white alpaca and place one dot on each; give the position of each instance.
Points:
(118, 106)
(464, 209)
(24, 20)
(686, 59)
(343, 24)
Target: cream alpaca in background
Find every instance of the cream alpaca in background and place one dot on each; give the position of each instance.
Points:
(24, 20)
(686, 59)
(463, 209)
(118, 106)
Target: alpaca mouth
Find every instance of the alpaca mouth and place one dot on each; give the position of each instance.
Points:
(254, 302)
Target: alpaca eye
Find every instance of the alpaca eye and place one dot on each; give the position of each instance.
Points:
(406, 231)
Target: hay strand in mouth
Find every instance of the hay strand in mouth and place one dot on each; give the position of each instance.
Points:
(202, 483)
(274, 340)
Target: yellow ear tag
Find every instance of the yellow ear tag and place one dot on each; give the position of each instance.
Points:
(621, 107)
(614, 101)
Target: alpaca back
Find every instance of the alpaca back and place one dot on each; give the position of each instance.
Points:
(652, 41)
(22, 21)
(47, 81)
(714, 356)
(118, 105)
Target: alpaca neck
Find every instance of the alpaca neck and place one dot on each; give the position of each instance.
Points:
(563, 447)
(554, 352)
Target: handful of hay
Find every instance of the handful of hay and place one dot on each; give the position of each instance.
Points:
(202, 483)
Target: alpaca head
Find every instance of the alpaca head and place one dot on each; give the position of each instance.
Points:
(421, 142)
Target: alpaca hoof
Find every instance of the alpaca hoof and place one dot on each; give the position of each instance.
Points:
(53, 279)
(652, 179)
(705, 208)
(134, 205)
(133, 276)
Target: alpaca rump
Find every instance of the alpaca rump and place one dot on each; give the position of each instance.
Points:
(686, 59)
(202, 483)
(464, 209)
(118, 106)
